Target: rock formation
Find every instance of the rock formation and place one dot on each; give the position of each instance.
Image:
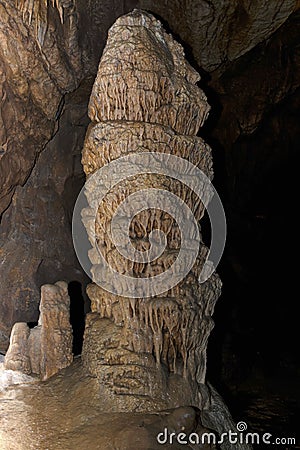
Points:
(48, 48)
(17, 356)
(37, 69)
(251, 53)
(145, 99)
(220, 32)
(46, 348)
(37, 248)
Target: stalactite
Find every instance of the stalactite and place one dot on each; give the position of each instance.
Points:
(37, 11)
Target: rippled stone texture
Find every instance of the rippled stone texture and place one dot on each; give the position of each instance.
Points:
(68, 411)
(221, 31)
(47, 348)
(145, 99)
(17, 357)
(37, 68)
(48, 48)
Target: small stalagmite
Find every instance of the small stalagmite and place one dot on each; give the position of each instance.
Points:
(46, 348)
(145, 99)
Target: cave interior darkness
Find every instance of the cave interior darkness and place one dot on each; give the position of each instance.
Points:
(255, 341)
(253, 130)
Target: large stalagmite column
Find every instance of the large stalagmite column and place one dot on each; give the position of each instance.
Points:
(148, 351)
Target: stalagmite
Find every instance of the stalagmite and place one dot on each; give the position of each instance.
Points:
(46, 348)
(145, 99)
(17, 357)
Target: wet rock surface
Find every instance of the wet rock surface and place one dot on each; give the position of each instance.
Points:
(74, 415)
(79, 415)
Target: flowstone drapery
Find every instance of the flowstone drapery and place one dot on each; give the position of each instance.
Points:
(145, 99)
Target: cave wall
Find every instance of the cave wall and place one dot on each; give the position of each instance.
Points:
(48, 61)
(220, 32)
(248, 53)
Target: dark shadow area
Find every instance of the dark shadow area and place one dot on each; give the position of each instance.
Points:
(253, 353)
(77, 315)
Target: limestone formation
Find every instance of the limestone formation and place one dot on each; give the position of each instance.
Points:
(221, 31)
(39, 55)
(17, 356)
(46, 348)
(56, 330)
(145, 99)
(33, 83)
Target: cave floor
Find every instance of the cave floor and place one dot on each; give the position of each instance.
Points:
(66, 412)
(269, 404)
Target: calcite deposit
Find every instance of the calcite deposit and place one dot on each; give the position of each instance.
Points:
(17, 356)
(46, 348)
(47, 48)
(145, 99)
(221, 31)
(40, 61)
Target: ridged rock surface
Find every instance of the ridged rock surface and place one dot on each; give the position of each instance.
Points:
(49, 48)
(37, 69)
(17, 356)
(221, 31)
(46, 348)
(144, 77)
(145, 99)
(27, 119)
(35, 234)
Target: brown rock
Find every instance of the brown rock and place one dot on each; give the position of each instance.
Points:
(154, 87)
(220, 32)
(56, 331)
(43, 56)
(109, 140)
(17, 357)
(129, 380)
(36, 70)
(47, 348)
(145, 99)
(32, 92)
(35, 234)
(34, 349)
